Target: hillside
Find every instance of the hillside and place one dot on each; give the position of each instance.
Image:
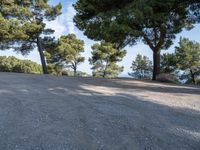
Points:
(54, 113)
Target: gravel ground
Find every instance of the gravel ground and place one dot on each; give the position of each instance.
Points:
(40, 112)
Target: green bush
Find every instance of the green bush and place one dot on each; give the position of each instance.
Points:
(13, 64)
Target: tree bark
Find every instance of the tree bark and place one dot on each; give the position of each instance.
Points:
(156, 64)
(193, 77)
(105, 69)
(104, 73)
(74, 67)
(75, 72)
(42, 58)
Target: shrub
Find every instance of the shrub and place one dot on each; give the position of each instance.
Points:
(13, 64)
(166, 77)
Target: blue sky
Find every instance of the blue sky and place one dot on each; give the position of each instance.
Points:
(64, 25)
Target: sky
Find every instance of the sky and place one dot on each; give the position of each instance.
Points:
(64, 25)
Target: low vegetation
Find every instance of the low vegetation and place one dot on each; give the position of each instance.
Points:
(13, 64)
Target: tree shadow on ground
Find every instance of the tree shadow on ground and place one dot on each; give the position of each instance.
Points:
(60, 113)
(143, 85)
(124, 121)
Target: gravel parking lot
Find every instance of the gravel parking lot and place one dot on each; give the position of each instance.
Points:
(41, 112)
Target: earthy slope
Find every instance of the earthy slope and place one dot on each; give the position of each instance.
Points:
(56, 113)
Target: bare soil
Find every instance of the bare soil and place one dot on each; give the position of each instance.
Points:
(42, 112)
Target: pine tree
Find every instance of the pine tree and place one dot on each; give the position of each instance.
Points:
(188, 59)
(127, 22)
(34, 14)
(141, 67)
(168, 63)
(67, 52)
(13, 26)
(104, 60)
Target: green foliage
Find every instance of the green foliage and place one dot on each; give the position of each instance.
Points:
(184, 63)
(12, 28)
(188, 59)
(40, 10)
(125, 22)
(194, 13)
(12, 64)
(67, 52)
(29, 29)
(156, 22)
(71, 73)
(168, 63)
(55, 69)
(104, 60)
(142, 67)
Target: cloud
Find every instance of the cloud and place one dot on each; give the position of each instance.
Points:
(64, 23)
(58, 26)
(70, 13)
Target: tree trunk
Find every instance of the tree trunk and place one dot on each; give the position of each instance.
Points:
(193, 77)
(105, 69)
(104, 73)
(75, 72)
(156, 64)
(74, 67)
(42, 58)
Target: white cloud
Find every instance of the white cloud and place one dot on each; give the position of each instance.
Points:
(58, 26)
(64, 23)
(70, 13)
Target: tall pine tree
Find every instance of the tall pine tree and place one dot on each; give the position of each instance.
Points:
(155, 22)
(37, 13)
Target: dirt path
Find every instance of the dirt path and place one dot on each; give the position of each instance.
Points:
(60, 113)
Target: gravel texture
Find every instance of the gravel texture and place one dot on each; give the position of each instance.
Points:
(41, 112)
